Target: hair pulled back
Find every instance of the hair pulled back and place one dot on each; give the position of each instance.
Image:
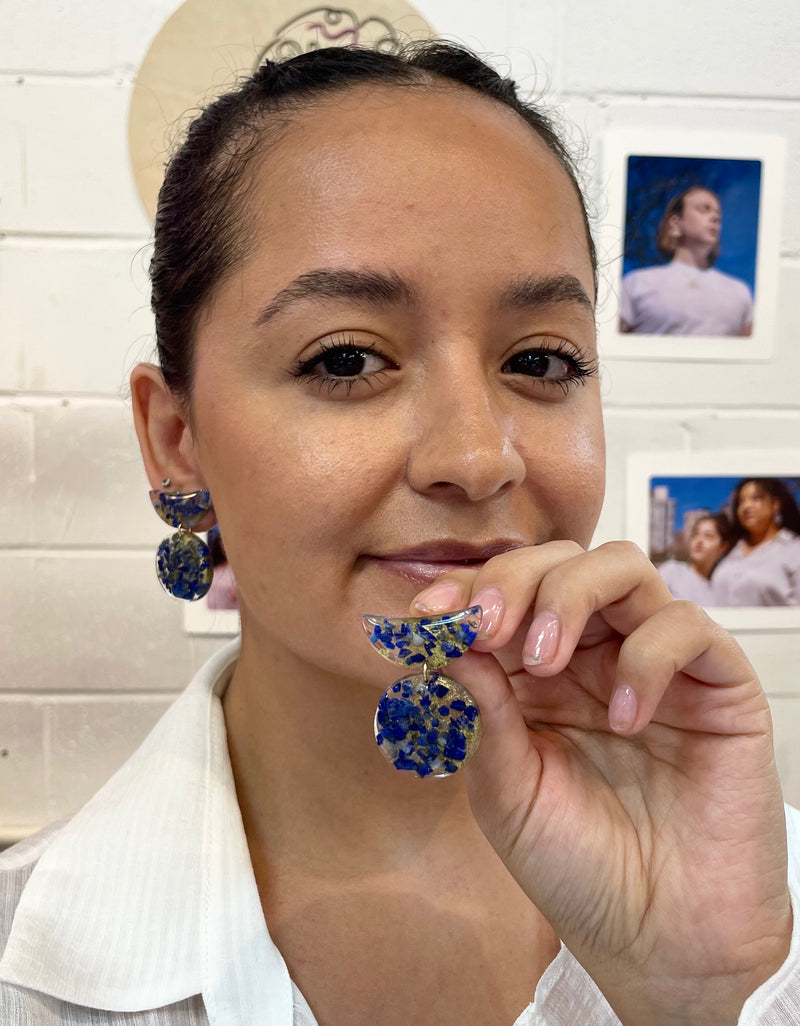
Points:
(200, 233)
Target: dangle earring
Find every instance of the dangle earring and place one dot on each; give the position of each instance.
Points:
(426, 722)
(183, 561)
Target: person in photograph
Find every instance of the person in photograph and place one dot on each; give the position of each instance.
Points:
(710, 539)
(374, 286)
(687, 296)
(763, 567)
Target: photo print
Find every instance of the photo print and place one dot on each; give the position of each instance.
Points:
(693, 240)
(722, 535)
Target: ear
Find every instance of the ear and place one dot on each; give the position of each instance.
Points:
(165, 436)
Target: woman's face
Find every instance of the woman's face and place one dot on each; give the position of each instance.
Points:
(706, 546)
(701, 218)
(402, 373)
(756, 509)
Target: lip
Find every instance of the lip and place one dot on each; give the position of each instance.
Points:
(424, 563)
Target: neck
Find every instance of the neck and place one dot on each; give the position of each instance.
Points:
(309, 776)
(694, 254)
(704, 568)
(755, 538)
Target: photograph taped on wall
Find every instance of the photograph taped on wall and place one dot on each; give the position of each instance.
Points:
(723, 529)
(218, 611)
(691, 242)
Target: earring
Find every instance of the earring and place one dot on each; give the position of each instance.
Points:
(183, 561)
(426, 722)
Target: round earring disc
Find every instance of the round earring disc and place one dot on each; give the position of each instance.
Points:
(429, 727)
(183, 566)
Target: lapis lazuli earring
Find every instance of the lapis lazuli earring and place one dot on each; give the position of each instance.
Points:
(426, 723)
(183, 561)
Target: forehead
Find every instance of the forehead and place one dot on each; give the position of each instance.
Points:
(701, 197)
(394, 174)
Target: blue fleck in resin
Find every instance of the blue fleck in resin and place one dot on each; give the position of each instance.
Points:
(428, 727)
(183, 565)
(431, 641)
(181, 510)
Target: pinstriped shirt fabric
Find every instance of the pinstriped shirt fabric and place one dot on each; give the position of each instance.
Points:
(142, 910)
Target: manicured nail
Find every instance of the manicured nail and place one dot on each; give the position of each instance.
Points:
(493, 605)
(542, 640)
(439, 598)
(622, 708)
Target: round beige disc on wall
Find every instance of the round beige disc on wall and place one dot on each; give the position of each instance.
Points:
(206, 45)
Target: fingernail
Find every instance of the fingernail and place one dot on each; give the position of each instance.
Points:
(622, 708)
(542, 640)
(493, 605)
(439, 598)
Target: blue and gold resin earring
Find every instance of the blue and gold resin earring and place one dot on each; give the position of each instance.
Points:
(426, 723)
(183, 561)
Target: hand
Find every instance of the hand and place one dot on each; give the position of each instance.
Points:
(627, 779)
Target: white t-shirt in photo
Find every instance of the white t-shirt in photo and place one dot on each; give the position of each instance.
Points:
(679, 299)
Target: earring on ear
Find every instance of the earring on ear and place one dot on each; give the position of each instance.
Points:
(183, 561)
(426, 722)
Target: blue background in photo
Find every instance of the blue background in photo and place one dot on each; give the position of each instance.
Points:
(653, 181)
(711, 493)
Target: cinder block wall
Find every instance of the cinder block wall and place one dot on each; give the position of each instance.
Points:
(92, 652)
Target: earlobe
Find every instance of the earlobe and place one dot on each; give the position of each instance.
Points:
(164, 433)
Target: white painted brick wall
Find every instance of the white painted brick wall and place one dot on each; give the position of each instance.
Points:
(91, 651)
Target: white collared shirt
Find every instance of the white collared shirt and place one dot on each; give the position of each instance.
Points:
(145, 902)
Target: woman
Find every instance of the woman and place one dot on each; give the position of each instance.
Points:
(709, 540)
(374, 292)
(687, 296)
(763, 568)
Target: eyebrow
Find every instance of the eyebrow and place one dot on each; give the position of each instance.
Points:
(535, 291)
(388, 289)
(374, 287)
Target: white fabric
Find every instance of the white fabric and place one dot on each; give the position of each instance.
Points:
(686, 583)
(143, 909)
(679, 299)
(768, 575)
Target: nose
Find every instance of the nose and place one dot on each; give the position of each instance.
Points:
(464, 443)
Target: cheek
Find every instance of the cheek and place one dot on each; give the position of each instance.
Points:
(290, 484)
(568, 472)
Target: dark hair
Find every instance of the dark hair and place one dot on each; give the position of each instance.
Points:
(788, 512)
(664, 238)
(198, 233)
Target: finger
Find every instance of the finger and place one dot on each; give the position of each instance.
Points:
(448, 592)
(506, 762)
(504, 587)
(680, 666)
(616, 581)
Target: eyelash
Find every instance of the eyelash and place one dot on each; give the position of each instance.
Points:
(306, 370)
(582, 367)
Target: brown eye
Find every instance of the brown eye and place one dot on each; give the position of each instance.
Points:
(539, 363)
(345, 362)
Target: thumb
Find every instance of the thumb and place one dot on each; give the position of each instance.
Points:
(504, 773)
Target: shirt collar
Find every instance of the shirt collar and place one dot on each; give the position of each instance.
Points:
(147, 896)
